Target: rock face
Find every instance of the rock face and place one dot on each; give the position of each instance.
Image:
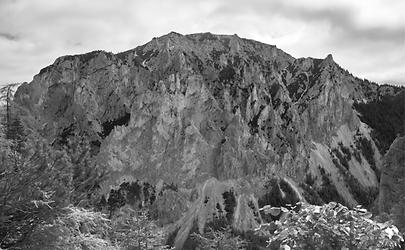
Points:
(210, 112)
(392, 183)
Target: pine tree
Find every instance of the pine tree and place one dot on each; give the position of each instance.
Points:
(75, 228)
(35, 179)
(134, 230)
(13, 129)
(34, 186)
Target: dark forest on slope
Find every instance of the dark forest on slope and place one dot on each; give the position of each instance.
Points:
(386, 117)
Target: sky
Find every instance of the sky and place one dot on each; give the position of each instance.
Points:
(367, 37)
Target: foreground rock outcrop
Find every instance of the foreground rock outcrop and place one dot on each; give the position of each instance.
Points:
(215, 114)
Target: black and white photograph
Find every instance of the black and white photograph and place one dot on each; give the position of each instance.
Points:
(202, 124)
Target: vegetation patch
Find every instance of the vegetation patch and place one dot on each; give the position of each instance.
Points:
(191, 242)
(172, 237)
(217, 224)
(296, 88)
(254, 122)
(328, 190)
(133, 193)
(108, 126)
(311, 195)
(274, 88)
(346, 151)
(171, 186)
(216, 54)
(227, 74)
(309, 179)
(365, 196)
(207, 36)
(274, 197)
(286, 116)
(230, 204)
(254, 241)
(342, 158)
(367, 149)
(357, 154)
(225, 239)
(291, 196)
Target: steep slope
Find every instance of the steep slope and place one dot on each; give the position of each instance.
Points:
(183, 110)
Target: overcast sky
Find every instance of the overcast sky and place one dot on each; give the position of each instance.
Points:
(367, 37)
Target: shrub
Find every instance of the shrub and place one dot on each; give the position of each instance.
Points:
(333, 226)
(219, 239)
(76, 228)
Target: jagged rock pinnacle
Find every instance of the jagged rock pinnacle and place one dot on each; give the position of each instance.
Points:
(329, 57)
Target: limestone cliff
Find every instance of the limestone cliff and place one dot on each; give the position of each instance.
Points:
(215, 114)
(392, 185)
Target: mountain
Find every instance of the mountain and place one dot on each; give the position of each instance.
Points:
(204, 127)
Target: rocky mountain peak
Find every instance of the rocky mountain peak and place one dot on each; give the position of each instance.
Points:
(328, 61)
(329, 58)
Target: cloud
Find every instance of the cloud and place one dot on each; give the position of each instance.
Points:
(8, 36)
(365, 36)
(344, 20)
